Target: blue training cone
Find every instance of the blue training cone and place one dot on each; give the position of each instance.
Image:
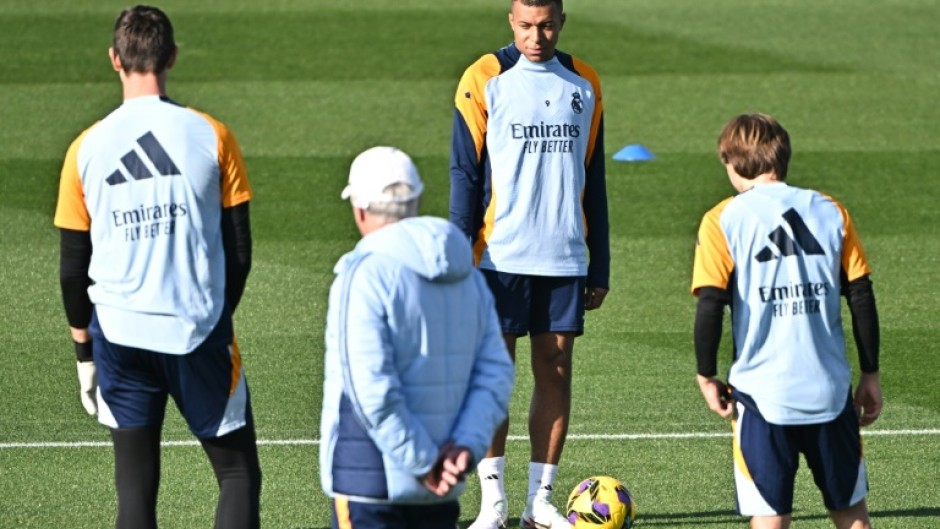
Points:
(633, 153)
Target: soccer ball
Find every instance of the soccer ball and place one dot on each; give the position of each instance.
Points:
(601, 502)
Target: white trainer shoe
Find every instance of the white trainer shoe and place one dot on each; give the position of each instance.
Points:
(494, 516)
(541, 514)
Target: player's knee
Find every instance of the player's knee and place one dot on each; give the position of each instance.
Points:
(552, 364)
(234, 457)
(239, 470)
(854, 517)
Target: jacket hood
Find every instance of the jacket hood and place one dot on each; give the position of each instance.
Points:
(432, 247)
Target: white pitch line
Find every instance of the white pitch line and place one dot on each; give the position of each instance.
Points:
(571, 437)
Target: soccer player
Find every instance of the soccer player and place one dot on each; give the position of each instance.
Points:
(417, 377)
(781, 257)
(528, 188)
(155, 252)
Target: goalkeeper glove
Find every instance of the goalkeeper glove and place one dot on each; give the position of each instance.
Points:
(88, 386)
(87, 377)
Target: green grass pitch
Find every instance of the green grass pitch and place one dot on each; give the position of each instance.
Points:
(307, 84)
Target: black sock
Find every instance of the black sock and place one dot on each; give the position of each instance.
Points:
(136, 476)
(234, 458)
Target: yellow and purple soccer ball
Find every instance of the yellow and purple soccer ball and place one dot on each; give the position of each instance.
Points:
(601, 502)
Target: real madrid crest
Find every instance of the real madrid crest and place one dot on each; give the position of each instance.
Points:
(577, 104)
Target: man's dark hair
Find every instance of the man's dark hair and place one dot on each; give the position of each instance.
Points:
(143, 39)
(540, 3)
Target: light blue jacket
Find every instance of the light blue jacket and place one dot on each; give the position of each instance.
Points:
(414, 358)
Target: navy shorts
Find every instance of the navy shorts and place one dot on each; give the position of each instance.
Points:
(208, 385)
(537, 304)
(766, 457)
(358, 515)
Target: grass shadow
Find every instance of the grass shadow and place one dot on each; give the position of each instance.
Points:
(328, 45)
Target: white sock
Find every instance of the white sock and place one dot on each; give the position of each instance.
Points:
(490, 470)
(541, 480)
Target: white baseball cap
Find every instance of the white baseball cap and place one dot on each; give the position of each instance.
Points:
(377, 168)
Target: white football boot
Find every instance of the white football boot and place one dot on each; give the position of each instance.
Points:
(541, 514)
(494, 516)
